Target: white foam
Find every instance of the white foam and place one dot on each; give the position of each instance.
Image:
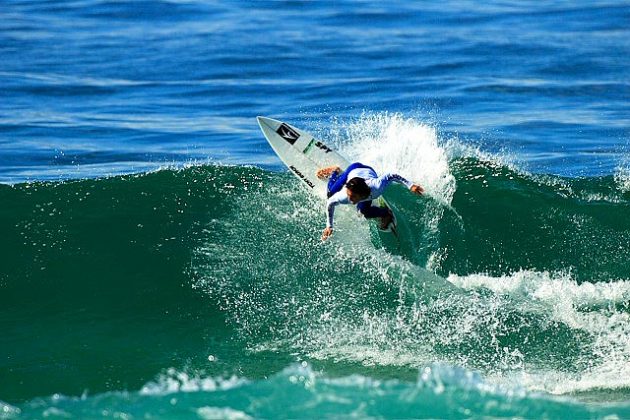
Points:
(608, 376)
(392, 143)
(8, 411)
(177, 381)
(622, 178)
(61, 414)
(558, 288)
(586, 307)
(222, 413)
(413, 335)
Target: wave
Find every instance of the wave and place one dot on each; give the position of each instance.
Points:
(512, 221)
(482, 213)
(597, 313)
(500, 269)
(299, 391)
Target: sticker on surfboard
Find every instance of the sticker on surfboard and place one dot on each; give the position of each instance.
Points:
(287, 133)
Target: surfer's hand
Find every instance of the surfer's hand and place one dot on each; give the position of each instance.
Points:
(416, 189)
(327, 232)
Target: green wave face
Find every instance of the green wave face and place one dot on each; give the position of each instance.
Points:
(95, 278)
(506, 221)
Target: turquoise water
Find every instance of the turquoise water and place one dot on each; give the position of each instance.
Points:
(158, 260)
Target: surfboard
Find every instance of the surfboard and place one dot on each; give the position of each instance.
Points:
(304, 155)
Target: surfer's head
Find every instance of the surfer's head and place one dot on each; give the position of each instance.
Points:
(357, 190)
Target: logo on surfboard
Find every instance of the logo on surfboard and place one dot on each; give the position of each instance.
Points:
(323, 147)
(287, 133)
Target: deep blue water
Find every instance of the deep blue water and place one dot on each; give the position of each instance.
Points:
(132, 157)
(101, 87)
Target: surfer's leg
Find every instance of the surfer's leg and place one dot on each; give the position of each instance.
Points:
(371, 212)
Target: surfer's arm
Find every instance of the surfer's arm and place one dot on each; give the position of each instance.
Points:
(336, 199)
(387, 179)
(330, 212)
(339, 198)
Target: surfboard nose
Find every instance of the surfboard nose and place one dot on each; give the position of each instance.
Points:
(267, 123)
(265, 120)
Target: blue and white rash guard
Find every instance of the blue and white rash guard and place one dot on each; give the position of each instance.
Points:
(377, 185)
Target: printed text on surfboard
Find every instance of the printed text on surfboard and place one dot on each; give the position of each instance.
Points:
(302, 177)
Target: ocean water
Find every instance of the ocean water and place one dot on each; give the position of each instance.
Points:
(157, 260)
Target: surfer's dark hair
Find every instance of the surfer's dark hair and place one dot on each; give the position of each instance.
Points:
(358, 186)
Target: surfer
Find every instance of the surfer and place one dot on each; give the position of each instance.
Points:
(359, 184)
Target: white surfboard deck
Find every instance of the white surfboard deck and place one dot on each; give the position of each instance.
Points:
(304, 155)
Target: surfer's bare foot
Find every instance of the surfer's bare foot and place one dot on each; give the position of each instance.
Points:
(325, 173)
(386, 220)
